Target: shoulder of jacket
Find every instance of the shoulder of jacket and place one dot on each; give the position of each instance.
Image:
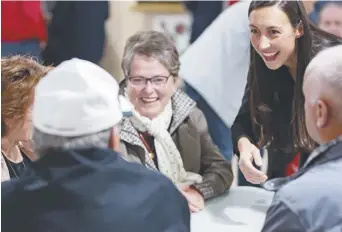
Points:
(197, 118)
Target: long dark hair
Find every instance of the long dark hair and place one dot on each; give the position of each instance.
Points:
(261, 95)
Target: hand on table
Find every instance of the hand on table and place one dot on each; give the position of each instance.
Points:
(194, 198)
(248, 153)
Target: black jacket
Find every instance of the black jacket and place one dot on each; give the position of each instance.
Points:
(282, 95)
(92, 190)
(77, 29)
(203, 13)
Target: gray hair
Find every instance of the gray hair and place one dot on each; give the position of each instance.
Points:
(326, 68)
(43, 142)
(151, 44)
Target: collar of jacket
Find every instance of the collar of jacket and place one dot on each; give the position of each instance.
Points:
(182, 105)
(324, 153)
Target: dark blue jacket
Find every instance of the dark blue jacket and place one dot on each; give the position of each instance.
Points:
(204, 13)
(310, 200)
(77, 29)
(89, 191)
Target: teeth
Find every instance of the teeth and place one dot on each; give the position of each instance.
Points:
(149, 99)
(269, 54)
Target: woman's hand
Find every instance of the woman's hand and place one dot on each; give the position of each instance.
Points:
(248, 153)
(194, 198)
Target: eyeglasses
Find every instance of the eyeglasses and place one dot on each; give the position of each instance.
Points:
(156, 81)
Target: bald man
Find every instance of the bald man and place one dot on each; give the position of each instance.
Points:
(311, 200)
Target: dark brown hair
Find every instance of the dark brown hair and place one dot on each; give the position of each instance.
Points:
(260, 93)
(19, 77)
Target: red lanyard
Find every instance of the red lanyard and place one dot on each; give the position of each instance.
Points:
(148, 148)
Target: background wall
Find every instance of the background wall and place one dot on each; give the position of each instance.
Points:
(125, 21)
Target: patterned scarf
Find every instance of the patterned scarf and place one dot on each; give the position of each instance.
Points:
(170, 162)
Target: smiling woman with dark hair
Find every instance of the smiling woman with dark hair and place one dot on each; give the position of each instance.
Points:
(272, 113)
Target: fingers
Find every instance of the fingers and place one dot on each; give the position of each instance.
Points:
(194, 199)
(251, 173)
(193, 209)
(257, 157)
(185, 187)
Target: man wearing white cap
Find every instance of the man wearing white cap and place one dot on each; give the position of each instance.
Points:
(80, 182)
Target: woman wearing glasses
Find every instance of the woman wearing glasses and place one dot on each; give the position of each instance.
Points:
(167, 133)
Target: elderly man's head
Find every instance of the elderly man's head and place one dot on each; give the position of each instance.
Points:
(323, 95)
(76, 107)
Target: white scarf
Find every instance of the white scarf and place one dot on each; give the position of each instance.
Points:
(170, 162)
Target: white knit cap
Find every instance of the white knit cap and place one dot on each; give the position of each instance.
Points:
(77, 98)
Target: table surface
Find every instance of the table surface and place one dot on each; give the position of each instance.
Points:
(242, 209)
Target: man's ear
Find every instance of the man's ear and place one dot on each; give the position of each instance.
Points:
(114, 140)
(322, 114)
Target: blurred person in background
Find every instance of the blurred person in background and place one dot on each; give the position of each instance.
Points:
(19, 77)
(76, 29)
(328, 16)
(310, 200)
(167, 132)
(47, 6)
(203, 14)
(23, 28)
(80, 182)
(272, 113)
(215, 74)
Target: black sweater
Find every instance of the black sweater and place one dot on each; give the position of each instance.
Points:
(281, 151)
(282, 86)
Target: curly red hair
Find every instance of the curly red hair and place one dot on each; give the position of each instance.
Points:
(19, 77)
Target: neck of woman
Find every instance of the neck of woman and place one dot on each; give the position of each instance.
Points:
(292, 65)
(293, 72)
(10, 150)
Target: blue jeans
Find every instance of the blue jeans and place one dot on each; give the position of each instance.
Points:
(219, 132)
(25, 47)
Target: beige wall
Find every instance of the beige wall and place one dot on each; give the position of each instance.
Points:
(122, 23)
(308, 5)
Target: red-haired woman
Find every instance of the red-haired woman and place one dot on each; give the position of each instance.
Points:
(19, 77)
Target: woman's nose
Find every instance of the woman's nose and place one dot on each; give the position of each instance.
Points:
(264, 43)
(148, 87)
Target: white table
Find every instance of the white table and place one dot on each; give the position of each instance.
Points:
(242, 209)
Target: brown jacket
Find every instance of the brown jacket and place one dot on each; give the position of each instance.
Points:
(189, 131)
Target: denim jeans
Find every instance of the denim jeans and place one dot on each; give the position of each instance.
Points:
(25, 47)
(219, 132)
